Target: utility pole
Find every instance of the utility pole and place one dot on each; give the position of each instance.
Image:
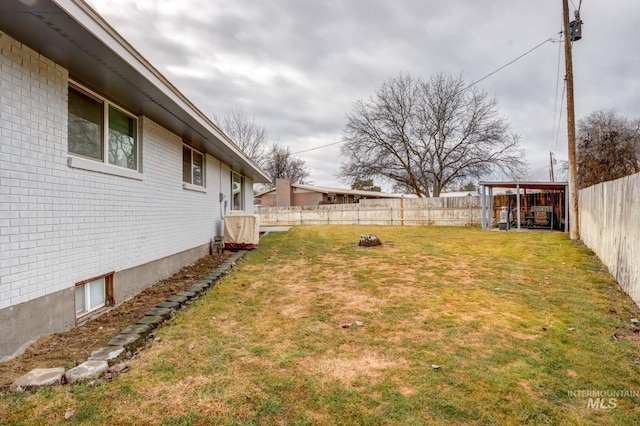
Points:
(551, 174)
(574, 224)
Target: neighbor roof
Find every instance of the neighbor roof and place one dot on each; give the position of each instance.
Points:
(72, 34)
(328, 190)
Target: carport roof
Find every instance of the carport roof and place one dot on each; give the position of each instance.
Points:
(526, 185)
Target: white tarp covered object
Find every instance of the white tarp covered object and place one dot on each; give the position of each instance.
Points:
(241, 231)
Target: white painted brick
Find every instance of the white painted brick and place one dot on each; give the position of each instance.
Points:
(66, 224)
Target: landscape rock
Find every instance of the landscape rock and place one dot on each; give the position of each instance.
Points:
(177, 299)
(140, 329)
(110, 354)
(151, 320)
(88, 370)
(170, 305)
(37, 378)
(128, 341)
(165, 313)
(119, 368)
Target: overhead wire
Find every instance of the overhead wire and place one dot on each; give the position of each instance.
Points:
(317, 147)
(551, 39)
(564, 88)
(471, 85)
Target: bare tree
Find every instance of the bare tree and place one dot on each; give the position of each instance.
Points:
(608, 147)
(252, 138)
(427, 135)
(281, 163)
(272, 157)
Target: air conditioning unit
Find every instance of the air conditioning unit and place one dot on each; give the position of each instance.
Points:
(241, 231)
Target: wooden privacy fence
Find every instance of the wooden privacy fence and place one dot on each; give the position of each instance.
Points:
(459, 211)
(610, 226)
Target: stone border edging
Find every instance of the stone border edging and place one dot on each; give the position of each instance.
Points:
(130, 340)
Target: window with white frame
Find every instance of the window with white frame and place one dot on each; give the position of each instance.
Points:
(93, 294)
(237, 189)
(101, 131)
(192, 166)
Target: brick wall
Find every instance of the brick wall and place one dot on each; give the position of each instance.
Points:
(61, 224)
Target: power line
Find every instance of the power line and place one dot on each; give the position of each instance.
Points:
(555, 106)
(317, 147)
(471, 85)
(511, 62)
(555, 146)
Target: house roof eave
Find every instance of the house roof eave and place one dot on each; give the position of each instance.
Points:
(73, 35)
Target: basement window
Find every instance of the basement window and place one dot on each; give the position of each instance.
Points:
(93, 294)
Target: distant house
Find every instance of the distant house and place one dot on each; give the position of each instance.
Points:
(459, 194)
(286, 194)
(110, 178)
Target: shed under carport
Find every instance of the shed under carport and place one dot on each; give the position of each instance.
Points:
(487, 199)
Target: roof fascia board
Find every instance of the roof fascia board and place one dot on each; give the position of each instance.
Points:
(89, 19)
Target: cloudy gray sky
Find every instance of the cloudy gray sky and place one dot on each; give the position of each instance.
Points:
(298, 66)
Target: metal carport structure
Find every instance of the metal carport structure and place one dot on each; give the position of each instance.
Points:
(487, 205)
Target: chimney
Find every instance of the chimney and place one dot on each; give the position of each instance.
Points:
(284, 192)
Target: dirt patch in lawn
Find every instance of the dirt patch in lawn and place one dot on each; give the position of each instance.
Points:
(72, 347)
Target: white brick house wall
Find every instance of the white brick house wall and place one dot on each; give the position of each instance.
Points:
(59, 224)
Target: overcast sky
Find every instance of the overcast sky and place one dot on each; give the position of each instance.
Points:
(298, 66)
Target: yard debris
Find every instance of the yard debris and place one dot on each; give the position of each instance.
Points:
(346, 325)
(192, 345)
(359, 323)
(435, 367)
(369, 241)
(69, 414)
(571, 329)
(634, 321)
(637, 361)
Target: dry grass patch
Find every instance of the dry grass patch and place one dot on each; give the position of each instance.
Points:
(348, 369)
(513, 321)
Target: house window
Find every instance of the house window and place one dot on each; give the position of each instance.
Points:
(192, 166)
(93, 294)
(237, 187)
(89, 137)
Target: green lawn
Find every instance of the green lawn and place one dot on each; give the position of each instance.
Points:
(519, 325)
